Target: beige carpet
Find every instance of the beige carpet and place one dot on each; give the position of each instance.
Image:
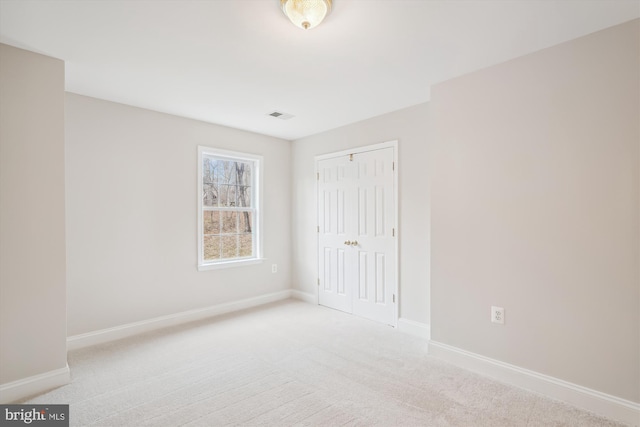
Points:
(286, 364)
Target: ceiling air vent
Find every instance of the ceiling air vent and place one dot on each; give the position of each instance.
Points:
(280, 115)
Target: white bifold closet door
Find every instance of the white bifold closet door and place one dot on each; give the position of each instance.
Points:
(356, 234)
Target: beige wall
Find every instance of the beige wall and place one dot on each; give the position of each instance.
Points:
(131, 215)
(535, 208)
(32, 209)
(409, 127)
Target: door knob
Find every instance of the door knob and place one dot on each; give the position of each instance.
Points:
(354, 243)
(348, 242)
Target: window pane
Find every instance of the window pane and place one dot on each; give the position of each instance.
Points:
(208, 170)
(210, 194)
(233, 195)
(209, 187)
(227, 195)
(229, 222)
(244, 196)
(246, 245)
(211, 247)
(246, 221)
(230, 246)
(243, 173)
(227, 173)
(213, 168)
(246, 177)
(219, 170)
(211, 222)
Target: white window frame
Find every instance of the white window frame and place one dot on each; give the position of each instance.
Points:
(256, 194)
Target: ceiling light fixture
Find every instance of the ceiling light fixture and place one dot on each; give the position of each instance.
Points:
(306, 14)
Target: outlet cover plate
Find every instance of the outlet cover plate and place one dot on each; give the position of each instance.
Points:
(497, 315)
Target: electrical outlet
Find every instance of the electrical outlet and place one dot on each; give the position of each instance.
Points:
(497, 315)
(274, 268)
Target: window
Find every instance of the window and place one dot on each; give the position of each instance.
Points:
(228, 208)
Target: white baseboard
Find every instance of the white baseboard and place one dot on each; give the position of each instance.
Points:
(592, 400)
(110, 334)
(30, 386)
(304, 296)
(412, 327)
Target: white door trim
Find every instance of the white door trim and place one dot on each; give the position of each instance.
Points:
(382, 145)
(361, 149)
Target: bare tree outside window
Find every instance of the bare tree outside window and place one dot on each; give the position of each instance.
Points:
(228, 211)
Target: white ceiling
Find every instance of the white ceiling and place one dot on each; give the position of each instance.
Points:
(232, 62)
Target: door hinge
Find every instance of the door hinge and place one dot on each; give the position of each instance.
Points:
(393, 232)
(318, 175)
(351, 157)
(318, 228)
(394, 297)
(318, 281)
(393, 165)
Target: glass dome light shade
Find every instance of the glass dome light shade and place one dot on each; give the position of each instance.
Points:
(306, 14)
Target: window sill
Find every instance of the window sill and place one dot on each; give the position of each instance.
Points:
(229, 264)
